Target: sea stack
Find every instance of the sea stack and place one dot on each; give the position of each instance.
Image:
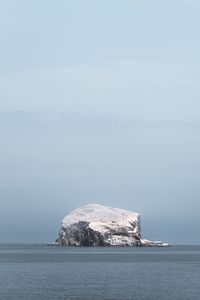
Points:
(95, 225)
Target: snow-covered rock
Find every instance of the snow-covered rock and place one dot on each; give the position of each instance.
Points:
(97, 225)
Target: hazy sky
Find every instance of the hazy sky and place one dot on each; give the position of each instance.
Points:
(99, 102)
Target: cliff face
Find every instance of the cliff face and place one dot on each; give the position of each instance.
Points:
(97, 225)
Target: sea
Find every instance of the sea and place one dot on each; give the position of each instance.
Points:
(32, 271)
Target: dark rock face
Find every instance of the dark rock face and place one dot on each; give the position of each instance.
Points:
(80, 234)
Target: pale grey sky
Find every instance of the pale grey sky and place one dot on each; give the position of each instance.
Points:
(99, 102)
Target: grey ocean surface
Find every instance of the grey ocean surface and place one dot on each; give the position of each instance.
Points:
(42, 272)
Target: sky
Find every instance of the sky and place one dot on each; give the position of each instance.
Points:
(99, 103)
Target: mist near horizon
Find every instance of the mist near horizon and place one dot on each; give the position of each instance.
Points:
(51, 167)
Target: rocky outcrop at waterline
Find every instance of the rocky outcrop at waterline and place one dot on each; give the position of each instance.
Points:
(94, 225)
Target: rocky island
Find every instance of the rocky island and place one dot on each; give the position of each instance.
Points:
(95, 225)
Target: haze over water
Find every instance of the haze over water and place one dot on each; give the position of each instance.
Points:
(99, 102)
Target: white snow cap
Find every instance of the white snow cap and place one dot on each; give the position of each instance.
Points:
(97, 214)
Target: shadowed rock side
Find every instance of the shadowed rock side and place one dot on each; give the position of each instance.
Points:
(80, 234)
(95, 225)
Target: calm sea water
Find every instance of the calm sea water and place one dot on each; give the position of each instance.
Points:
(41, 272)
